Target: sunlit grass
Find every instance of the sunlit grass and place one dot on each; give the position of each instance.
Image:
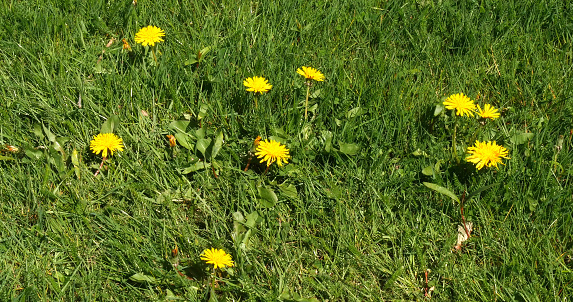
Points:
(347, 217)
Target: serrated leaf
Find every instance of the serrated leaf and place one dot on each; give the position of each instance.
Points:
(349, 149)
(441, 190)
(521, 138)
(110, 125)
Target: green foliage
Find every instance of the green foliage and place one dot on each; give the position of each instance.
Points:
(350, 217)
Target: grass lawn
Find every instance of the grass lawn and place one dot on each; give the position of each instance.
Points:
(368, 206)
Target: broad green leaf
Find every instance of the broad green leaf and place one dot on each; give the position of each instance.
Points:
(110, 125)
(252, 219)
(180, 126)
(38, 131)
(196, 167)
(419, 152)
(2, 157)
(142, 278)
(204, 51)
(327, 136)
(33, 153)
(349, 149)
(238, 226)
(184, 140)
(203, 111)
(200, 133)
(288, 190)
(58, 143)
(333, 192)
(354, 112)
(439, 109)
(76, 163)
(441, 190)
(521, 138)
(49, 134)
(191, 61)
(202, 145)
(268, 196)
(428, 171)
(315, 94)
(218, 144)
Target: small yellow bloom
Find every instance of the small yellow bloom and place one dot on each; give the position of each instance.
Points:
(488, 112)
(149, 35)
(311, 73)
(106, 142)
(461, 103)
(271, 152)
(257, 84)
(486, 154)
(172, 140)
(126, 45)
(217, 257)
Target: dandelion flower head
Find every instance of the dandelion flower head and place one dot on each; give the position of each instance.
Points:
(488, 112)
(461, 103)
(272, 151)
(149, 35)
(257, 84)
(106, 142)
(486, 154)
(218, 258)
(311, 73)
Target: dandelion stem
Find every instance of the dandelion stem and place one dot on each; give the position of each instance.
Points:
(153, 52)
(306, 102)
(100, 166)
(455, 153)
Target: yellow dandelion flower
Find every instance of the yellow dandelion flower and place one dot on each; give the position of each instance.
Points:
(311, 73)
(257, 84)
(272, 151)
(461, 103)
(486, 154)
(106, 142)
(217, 257)
(488, 112)
(149, 35)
